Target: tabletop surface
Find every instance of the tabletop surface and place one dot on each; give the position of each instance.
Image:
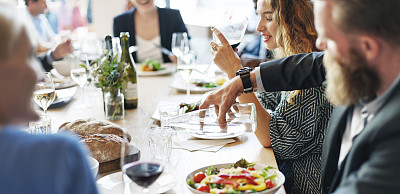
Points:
(151, 91)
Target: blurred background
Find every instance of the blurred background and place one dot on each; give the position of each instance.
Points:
(89, 19)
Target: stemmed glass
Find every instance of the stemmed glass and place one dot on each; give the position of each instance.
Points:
(79, 74)
(180, 44)
(44, 94)
(232, 26)
(185, 69)
(142, 172)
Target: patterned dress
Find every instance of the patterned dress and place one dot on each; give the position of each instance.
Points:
(297, 131)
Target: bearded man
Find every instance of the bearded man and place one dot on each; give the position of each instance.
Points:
(361, 64)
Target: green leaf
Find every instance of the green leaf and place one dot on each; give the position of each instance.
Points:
(243, 163)
(83, 66)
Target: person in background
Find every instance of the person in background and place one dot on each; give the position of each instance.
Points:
(128, 5)
(361, 65)
(34, 164)
(60, 51)
(295, 138)
(42, 29)
(255, 51)
(149, 26)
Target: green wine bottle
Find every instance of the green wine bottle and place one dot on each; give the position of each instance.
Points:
(130, 89)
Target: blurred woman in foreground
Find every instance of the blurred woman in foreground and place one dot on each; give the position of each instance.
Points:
(296, 126)
(33, 164)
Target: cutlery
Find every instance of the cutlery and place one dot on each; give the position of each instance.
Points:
(164, 50)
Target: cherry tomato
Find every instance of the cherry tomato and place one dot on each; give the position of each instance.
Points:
(269, 184)
(198, 177)
(251, 168)
(203, 187)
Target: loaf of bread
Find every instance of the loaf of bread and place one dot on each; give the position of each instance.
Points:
(103, 138)
(91, 126)
(105, 147)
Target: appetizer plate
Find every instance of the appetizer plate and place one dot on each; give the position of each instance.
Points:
(63, 96)
(216, 135)
(180, 85)
(168, 69)
(280, 178)
(113, 184)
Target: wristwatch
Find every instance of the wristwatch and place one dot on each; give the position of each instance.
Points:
(244, 74)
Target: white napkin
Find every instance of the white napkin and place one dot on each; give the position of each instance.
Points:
(201, 145)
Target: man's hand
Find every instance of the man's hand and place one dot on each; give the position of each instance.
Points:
(223, 99)
(62, 50)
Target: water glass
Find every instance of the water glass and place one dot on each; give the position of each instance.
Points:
(167, 111)
(160, 142)
(43, 126)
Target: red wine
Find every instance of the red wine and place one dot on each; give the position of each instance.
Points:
(235, 45)
(143, 173)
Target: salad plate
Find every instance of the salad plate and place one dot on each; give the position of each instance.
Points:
(166, 68)
(113, 184)
(180, 85)
(277, 178)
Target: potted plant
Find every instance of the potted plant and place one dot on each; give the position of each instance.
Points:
(109, 75)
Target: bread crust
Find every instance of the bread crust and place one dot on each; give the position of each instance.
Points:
(102, 138)
(91, 126)
(105, 147)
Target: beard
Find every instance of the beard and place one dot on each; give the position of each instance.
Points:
(350, 81)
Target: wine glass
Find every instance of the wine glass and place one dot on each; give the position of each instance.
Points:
(79, 74)
(185, 68)
(44, 93)
(142, 172)
(232, 26)
(180, 44)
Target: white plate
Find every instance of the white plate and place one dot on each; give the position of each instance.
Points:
(216, 135)
(280, 177)
(63, 96)
(113, 184)
(169, 68)
(180, 85)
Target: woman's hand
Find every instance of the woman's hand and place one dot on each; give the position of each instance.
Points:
(224, 56)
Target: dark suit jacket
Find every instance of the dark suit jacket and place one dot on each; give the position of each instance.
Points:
(170, 21)
(45, 64)
(373, 163)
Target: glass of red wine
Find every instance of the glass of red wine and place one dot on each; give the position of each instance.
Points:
(232, 26)
(142, 172)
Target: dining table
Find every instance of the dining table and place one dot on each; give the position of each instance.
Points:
(151, 91)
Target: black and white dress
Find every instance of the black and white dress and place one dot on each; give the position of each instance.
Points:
(297, 131)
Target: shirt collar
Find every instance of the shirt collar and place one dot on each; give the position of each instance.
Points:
(373, 106)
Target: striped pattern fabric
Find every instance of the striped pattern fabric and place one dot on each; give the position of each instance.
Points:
(297, 131)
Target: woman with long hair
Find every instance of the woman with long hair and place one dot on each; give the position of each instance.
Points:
(296, 125)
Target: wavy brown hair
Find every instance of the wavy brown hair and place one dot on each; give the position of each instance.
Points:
(295, 29)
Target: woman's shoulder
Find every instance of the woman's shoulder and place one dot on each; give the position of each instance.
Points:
(168, 11)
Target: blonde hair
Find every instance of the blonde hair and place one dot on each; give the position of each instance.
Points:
(295, 29)
(11, 27)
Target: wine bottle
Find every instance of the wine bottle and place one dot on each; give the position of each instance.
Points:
(108, 47)
(130, 89)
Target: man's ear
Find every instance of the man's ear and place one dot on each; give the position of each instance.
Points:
(370, 47)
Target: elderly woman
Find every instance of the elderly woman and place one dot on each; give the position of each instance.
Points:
(31, 163)
(295, 129)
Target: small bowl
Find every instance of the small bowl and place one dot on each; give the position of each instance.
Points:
(63, 67)
(94, 165)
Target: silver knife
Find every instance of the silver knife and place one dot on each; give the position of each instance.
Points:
(164, 50)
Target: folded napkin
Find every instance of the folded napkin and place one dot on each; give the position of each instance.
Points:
(201, 145)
